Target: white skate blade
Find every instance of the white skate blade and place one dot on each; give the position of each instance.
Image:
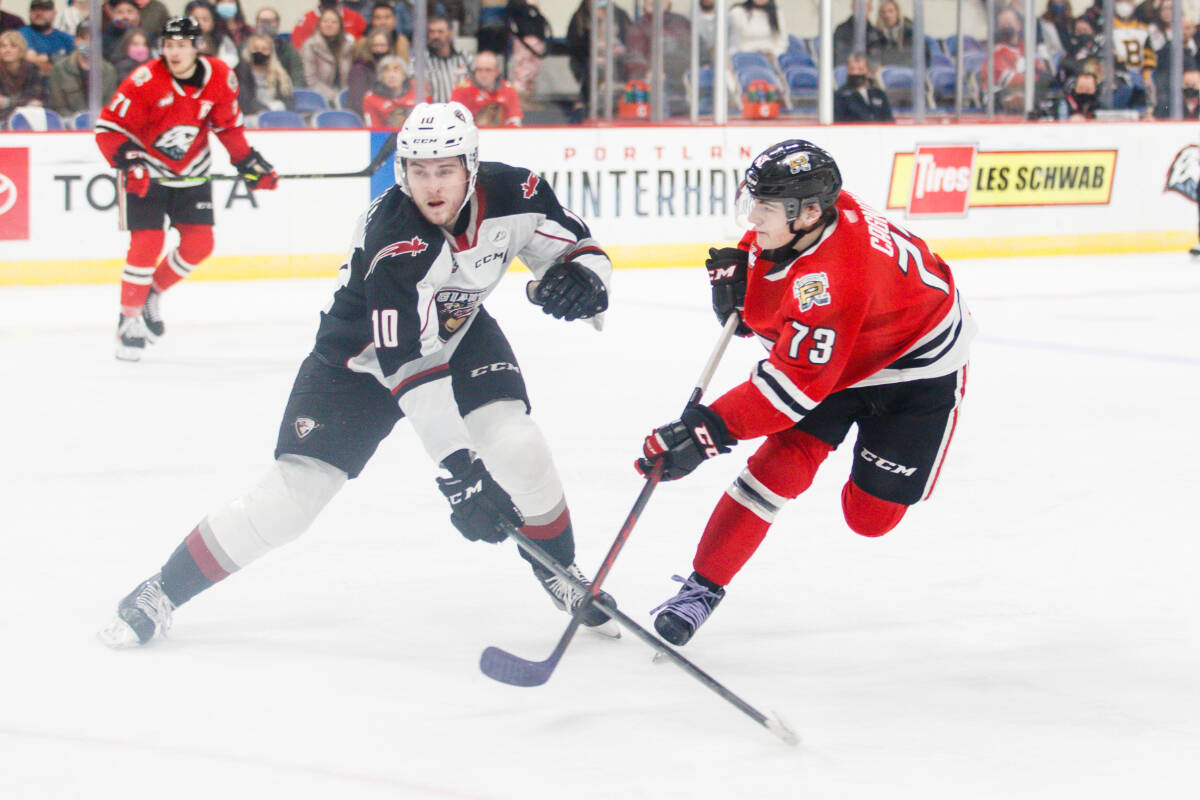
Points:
(609, 630)
(124, 353)
(118, 635)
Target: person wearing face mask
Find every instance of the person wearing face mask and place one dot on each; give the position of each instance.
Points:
(1133, 51)
(263, 83)
(232, 21)
(266, 22)
(859, 100)
(132, 52)
(68, 91)
(122, 15)
(46, 44)
(1081, 100)
(212, 30)
(367, 53)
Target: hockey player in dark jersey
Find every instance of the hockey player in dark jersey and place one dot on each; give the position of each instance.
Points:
(863, 326)
(406, 335)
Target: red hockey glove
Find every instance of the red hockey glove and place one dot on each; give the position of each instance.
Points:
(131, 160)
(569, 291)
(257, 172)
(727, 274)
(479, 507)
(698, 434)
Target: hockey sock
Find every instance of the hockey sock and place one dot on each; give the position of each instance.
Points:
(194, 566)
(195, 245)
(557, 538)
(732, 535)
(868, 515)
(144, 247)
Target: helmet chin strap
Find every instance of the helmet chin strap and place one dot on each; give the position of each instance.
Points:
(778, 255)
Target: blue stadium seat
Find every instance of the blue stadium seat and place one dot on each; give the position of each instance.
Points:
(341, 98)
(337, 118)
(35, 118)
(743, 61)
(941, 85)
(280, 119)
(795, 58)
(801, 77)
(82, 121)
(308, 100)
(896, 77)
(745, 76)
(969, 45)
(974, 61)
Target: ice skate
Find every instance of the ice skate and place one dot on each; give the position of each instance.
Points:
(131, 338)
(568, 598)
(679, 617)
(152, 317)
(144, 613)
(1195, 252)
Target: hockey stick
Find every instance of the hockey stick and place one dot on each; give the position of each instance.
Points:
(772, 722)
(386, 150)
(505, 667)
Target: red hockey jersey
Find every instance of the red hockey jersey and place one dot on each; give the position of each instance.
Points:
(170, 122)
(504, 98)
(867, 304)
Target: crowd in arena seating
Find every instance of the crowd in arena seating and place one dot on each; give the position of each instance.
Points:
(348, 63)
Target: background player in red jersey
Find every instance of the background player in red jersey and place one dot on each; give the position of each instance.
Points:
(157, 127)
(863, 325)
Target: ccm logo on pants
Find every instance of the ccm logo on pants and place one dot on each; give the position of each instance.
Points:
(499, 366)
(887, 466)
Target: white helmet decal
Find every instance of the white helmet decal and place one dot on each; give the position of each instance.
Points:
(438, 130)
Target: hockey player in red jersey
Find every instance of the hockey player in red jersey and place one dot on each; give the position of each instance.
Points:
(406, 335)
(156, 127)
(863, 325)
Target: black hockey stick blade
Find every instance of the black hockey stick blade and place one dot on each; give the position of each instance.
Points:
(516, 671)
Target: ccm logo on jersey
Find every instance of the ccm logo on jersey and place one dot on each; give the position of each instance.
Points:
(887, 466)
(530, 186)
(490, 257)
(499, 366)
(812, 290)
(413, 246)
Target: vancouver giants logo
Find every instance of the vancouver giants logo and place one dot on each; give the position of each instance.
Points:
(175, 142)
(413, 246)
(529, 187)
(1184, 174)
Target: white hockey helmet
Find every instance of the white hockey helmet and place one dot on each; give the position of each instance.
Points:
(438, 130)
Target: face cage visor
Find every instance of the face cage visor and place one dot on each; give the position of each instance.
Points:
(767, 214)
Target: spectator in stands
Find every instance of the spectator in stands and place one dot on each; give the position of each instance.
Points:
(122, 15)
(446, 66)
(843, 38)
(10, 22)
(897, 31)
(491, 28)
(757, 26)
(492, 100)
(1054, 26)
(132, 51)
(221, 45)
(68, 92)
(706, 23)
(1081, 45)
(580, 43)
(529, 35)
(232, 23)
(263, 83)
(1133, 51)
(1008, 58)
(70, 15)
(46, 44)
(383, 16)
(21, 82)
(404, 19)
(366, 55)
(352, 22)
(266, 22)
(1162, 73)
(389, 102)
(152, 14)
(859, 99)
(677, 53)
(1081, 99)
(326, 55)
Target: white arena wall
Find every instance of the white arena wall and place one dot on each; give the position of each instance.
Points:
(654, 196)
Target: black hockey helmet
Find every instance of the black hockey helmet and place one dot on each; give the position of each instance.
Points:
(797, 171)
(181, 28)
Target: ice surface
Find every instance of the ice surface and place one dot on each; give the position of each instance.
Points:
(1029, 633)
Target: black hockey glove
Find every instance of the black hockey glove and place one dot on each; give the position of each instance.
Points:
(697, 435)
(727, 269)
(257, 172)
(478, 505)
(569, 291)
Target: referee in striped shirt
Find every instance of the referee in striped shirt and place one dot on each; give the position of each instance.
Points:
(447, 67)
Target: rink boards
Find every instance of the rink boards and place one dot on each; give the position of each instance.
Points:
(655, 196)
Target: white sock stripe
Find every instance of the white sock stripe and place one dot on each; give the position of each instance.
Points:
(750, 503)
(178, 265)
(754, 483)
(130, 269)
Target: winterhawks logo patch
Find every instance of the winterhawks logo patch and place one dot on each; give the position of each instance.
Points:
(530, 186)
(175, 142)
(1184, 174)
(413, 246)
